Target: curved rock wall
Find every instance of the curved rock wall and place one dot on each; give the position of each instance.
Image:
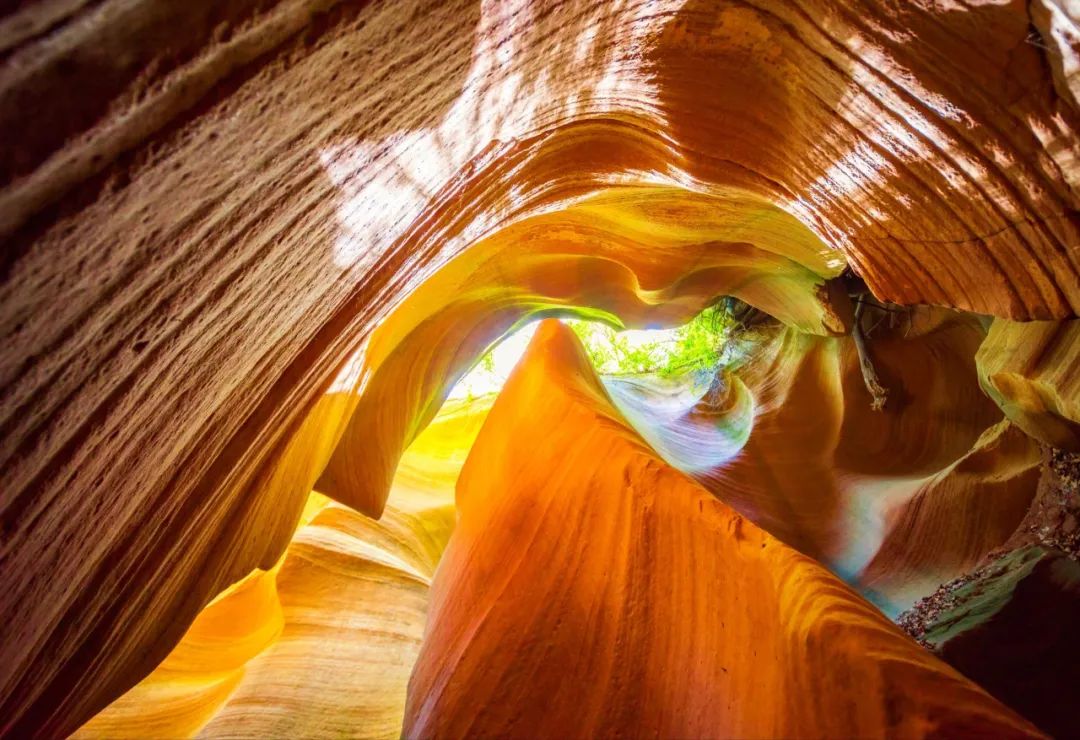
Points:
(893, 500)
(322, 643)
(897, 501)
(207, 212)
(1032, 370)
(585, 600)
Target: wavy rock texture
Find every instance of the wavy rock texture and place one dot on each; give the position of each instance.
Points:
(955, 518)
(204, 669)
(896, 501)
(583, 569)
(1033, 371)
(353, 593)
(639, 257)
(915, 525)
(208, 211)
(853, 486)
(323, 643)
(1009, 626)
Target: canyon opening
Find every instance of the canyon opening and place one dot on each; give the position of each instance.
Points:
(539, 369)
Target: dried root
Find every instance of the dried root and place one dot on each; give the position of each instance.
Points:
(878, 392)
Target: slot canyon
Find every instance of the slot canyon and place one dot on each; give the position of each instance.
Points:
(788, 444)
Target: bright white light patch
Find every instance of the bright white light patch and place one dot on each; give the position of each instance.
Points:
(491, 373)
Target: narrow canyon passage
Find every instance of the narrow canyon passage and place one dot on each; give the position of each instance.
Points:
(250, 249)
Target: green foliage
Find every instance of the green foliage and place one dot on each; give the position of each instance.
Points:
(695, 346)
(702, 345)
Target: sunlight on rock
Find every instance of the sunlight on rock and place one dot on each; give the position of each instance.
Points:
(570, 368)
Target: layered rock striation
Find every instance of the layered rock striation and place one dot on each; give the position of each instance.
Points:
(589, 589)
(248, 249)
(323, 643)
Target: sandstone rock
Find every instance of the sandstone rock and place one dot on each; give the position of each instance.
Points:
(323, 643)
(1009, 627)
(954, 519)
(210, 210)
(1032, 371)
(896, 501)
(583, 569)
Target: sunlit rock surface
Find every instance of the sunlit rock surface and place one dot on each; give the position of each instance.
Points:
(215, 217)
(583, 569)
(323, 643)
(637, 257)
(897, 501)
(1033, 371)
(205, 668)
(914, 514)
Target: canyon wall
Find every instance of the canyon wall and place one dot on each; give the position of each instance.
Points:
(585, 600)
(247, 249)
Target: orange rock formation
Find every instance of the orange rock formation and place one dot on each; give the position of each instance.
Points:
(895, 500)
(249, 246)
(590, 590)
(322, 643)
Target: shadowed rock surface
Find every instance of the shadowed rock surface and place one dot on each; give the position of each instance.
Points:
(249, 247)
(1009, 627)
(697, 623)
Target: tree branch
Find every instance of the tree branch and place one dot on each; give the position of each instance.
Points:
(878, 392)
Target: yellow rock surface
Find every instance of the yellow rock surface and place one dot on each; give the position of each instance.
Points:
(1032, 370)
(209, 210)
(633, 256)
(590, 590)
(323, 643)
